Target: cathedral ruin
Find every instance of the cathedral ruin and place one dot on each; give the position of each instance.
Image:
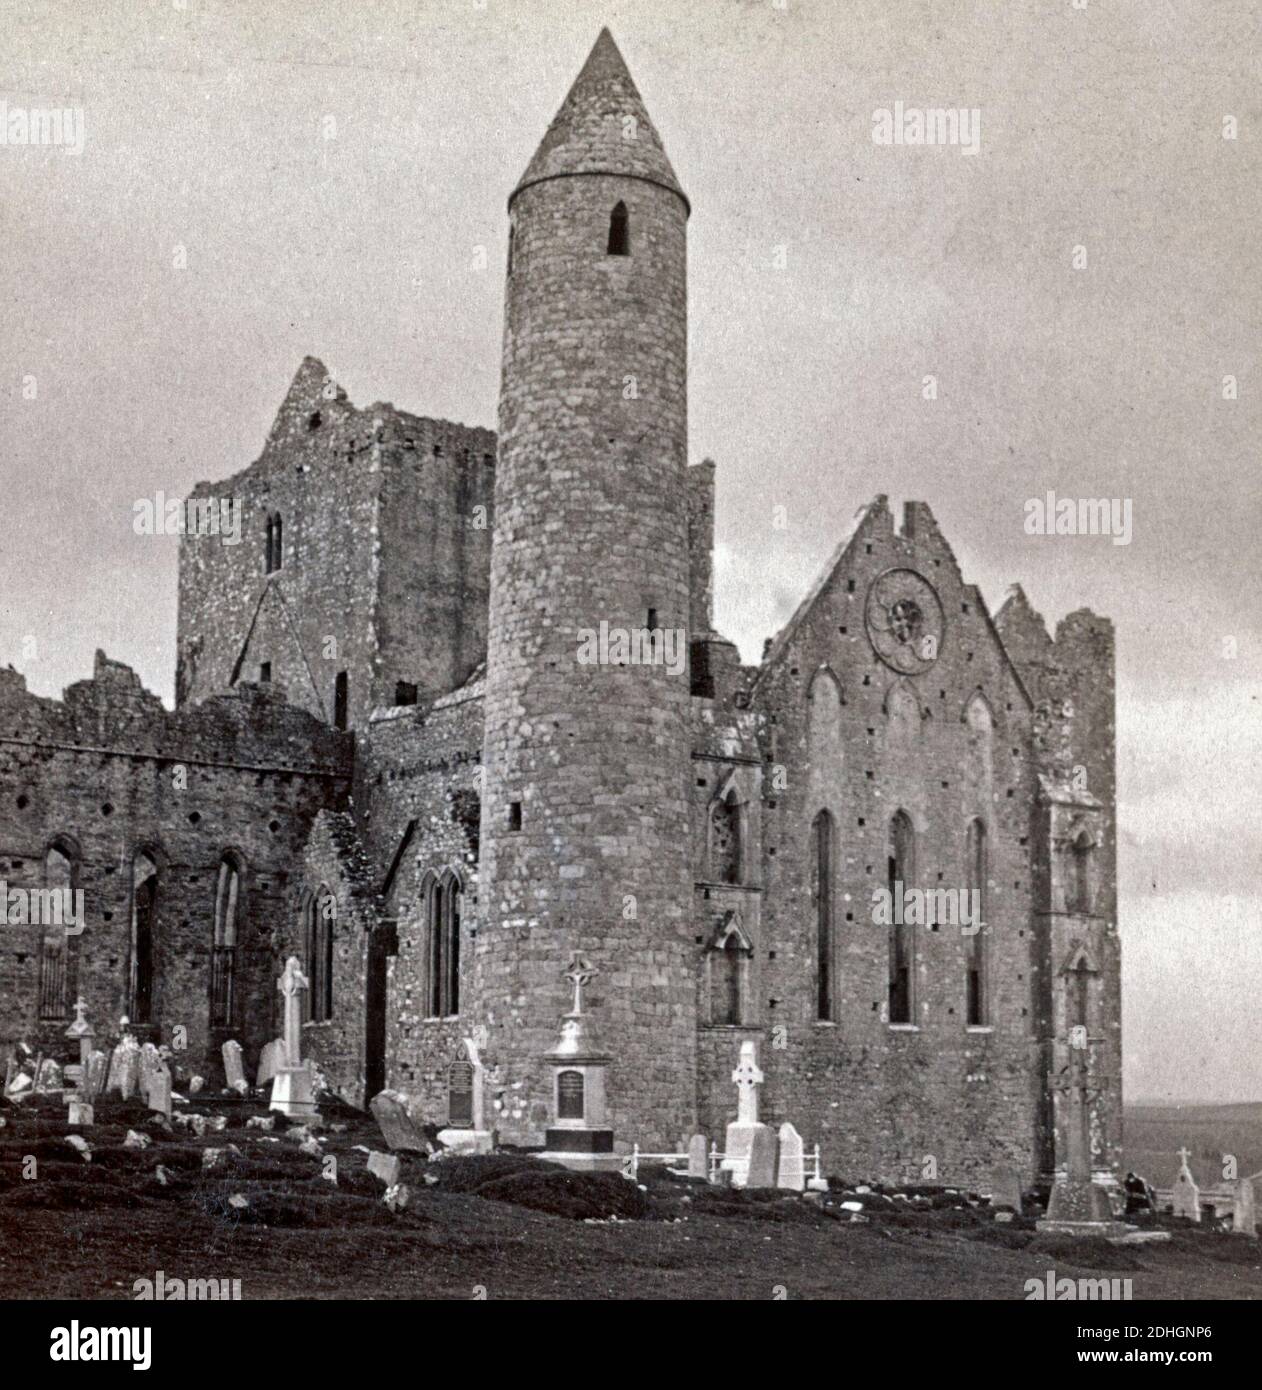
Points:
(431, 737)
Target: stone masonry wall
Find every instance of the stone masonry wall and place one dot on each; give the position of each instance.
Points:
(113, 771)
(386, 558)
(591, 526)
(419, 774)
(844, 732)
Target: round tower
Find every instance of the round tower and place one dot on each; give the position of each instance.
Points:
(585, 830)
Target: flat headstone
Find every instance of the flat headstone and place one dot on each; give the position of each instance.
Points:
(271, 1059)
(150, 1061)
(160, 1090)
(389, 1109)
(762, 1158)
(792, 1170)
(1244, 1219)
(1005, 1190)
(698, 1157)
(94, 1076)
(124, 1074)
(234, 1067)
(384, 1166)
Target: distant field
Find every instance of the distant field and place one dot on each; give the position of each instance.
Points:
(1154, 1134)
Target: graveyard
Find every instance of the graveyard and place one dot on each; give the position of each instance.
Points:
(113, 1181)
(266, 1207)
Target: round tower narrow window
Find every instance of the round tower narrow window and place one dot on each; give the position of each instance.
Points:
(619, 231)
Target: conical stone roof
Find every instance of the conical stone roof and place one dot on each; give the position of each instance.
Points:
(602, 128)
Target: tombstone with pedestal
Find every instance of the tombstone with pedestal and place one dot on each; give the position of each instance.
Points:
(1187, 1196)
(80, 1101)
(466, 1131)
(579, 1136)
(81, 1032)
(293, 1091)
(740, 1134)
(1078, 1205)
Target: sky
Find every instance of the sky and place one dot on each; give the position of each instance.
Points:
(257, 183)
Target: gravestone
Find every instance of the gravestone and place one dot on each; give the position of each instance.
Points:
(80, 1031)
(233, 1068)
(80, 1112)
(293, 1088)
(94, 1076)
(389, 1109)
(1244, 1221)
(150, 1061)
(466, 1129)
(761, 1171)
(159, 1095)
(384, 1166)
(1078, 1205)
(740, 1134)
(791, 1174)
(698, 1157)
(1005, 1190)
(271, 1059)
(1187, 1196)
(580, 1136)
(124, 1073)
(49, 1076)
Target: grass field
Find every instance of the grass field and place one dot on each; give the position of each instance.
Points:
(509, 1227)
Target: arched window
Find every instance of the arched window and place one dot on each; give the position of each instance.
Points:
(823, 892)
(223, 955)
(1080, 886)
(901, 868)
(730, 952)
(57, 956)
(619, 231)
(341, 700)
(725, 839)
(975, 874)
(1080, 996)
(275, 542)
(442, 946)
(728, 989)
(321, 916)
(144, 901)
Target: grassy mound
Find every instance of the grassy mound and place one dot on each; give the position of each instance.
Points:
(547, 1187)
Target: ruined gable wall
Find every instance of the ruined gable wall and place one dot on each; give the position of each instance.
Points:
(320, 469)
(877, 1098)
